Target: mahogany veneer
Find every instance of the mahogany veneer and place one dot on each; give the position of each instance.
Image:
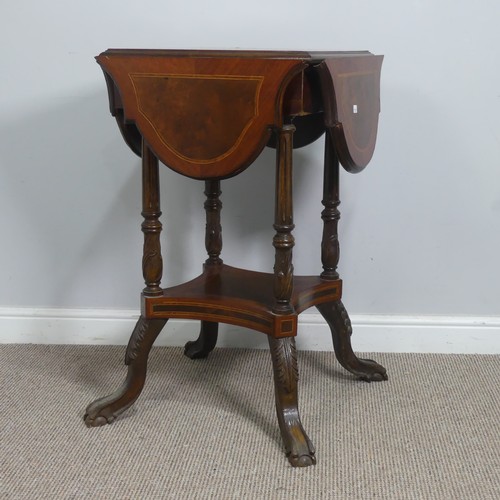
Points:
(208, 115)
(245, 298)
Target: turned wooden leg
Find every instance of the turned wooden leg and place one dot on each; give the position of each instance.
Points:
(152, 264)
(205, 343)
(330, 249)
(105, 410)
(299, 449)
(283, 240)
(213, 227)
(340, 325)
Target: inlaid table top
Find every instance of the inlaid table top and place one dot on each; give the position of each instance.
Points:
(233, 99)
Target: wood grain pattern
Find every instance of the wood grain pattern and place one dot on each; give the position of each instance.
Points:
(351, 94)
(232, 100)
(286, 368)
(298, 446)
(240, 297)
(330, 248)
(338, 320)
(283, 240)
(152, 262)
(213, 228)
(238, 101)
(208, 115)
(225, 105)
(105, 410)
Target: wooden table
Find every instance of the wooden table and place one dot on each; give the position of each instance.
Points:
(208, 115)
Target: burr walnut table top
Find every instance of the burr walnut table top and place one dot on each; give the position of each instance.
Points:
(233, 99)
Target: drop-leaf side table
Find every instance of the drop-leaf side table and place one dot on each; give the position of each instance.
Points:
(208, 115)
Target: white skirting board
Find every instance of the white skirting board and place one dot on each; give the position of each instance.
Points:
(371, 333)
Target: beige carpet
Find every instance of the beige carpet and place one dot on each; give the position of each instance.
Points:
(207, 429)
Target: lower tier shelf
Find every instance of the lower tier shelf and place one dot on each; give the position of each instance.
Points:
(225, 294)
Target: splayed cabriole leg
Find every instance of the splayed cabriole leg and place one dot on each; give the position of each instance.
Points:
(299, 449)
(205, 343)
(105, 410)
(334, 312)
(338, 320)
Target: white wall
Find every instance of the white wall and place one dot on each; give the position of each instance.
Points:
(420, 227)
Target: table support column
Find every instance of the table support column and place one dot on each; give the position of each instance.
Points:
(283, 240)
(152, 264)
(213, 231)
(330, 248)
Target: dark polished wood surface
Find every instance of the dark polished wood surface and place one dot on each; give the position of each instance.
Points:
(239, 297)
(208, 115)
(234, 99)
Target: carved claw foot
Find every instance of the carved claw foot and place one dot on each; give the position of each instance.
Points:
(368, 370)
(97, 421)
(299, 449)
(304, 460)
(338, 320)
(105, 410)
(205, 343)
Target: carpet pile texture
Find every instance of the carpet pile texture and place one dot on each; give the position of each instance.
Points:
(207, 429)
